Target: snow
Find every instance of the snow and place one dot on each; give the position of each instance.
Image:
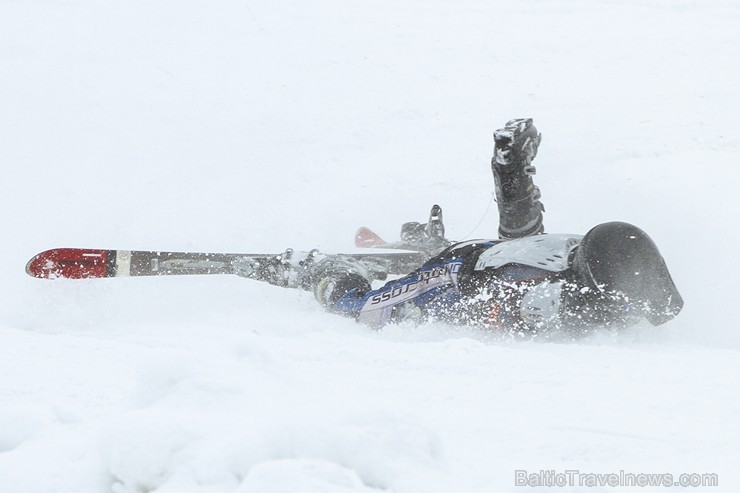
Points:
(254, 126)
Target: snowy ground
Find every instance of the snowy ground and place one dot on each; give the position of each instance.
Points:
(255, 126)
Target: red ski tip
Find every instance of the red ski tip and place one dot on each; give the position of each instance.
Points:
(366, 238)
(69, 263)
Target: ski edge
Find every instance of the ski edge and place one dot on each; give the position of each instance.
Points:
(87, 263)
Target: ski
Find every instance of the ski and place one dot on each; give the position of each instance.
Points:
(85, 263)
(419, 243)
(428, 238)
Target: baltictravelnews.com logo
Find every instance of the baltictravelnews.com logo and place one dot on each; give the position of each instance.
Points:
(575, 477)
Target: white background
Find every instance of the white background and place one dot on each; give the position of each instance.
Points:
(235, 126)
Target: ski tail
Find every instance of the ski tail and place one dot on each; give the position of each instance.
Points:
(86, 263)
(367, 238)
(72, 263)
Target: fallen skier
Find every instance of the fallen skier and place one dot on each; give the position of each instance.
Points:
(525, 280)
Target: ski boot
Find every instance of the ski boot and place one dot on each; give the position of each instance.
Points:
(289, 269)
(328, 276)
(433, 230)
(332, 278)
(426, 237)
(520, 209)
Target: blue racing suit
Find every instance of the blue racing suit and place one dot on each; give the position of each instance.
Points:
(494, 283)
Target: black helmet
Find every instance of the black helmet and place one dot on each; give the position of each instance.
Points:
(620, 257)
